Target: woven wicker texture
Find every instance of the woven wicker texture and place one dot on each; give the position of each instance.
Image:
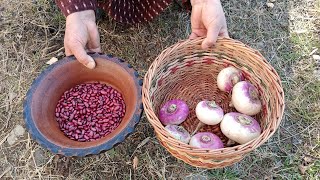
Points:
(185, 71)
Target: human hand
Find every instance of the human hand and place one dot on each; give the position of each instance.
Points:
(82, 35)
(208, 19)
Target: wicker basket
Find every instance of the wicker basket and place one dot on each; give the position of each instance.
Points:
(187, 72)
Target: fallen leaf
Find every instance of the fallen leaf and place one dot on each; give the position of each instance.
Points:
(52, 60)
(135, 163)
(303, 169)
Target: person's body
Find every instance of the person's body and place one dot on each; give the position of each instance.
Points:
(81, 34)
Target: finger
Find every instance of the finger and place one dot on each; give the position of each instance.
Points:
(94, 40)
(193, 35)
(82, 56)
(212, 35)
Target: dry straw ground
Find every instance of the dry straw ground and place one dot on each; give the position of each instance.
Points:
(31, 32)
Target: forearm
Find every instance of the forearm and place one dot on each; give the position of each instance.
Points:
(70, 6)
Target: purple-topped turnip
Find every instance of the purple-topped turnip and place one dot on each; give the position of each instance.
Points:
(245, 98)
(239, 127)
(208, 112)
(179, 133)
(228, 77)
(206, 140)
(174, 112)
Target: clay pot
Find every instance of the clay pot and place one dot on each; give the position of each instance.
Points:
(48, 87)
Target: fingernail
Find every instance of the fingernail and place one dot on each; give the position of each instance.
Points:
(91, 64)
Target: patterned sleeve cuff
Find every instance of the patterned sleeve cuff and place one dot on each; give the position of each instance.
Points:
(70, 6)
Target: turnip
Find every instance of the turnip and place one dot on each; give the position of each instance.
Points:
(208, 112)
(245, 98)
(228, 77)
(239, 127)
(173, 112)
(206, 140)
(179, 133)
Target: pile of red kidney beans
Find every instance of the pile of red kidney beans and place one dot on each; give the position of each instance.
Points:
(90, 111)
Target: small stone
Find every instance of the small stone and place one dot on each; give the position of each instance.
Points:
(11, 139)
(18, 131)
(316, 57)
(14, 134)
(12, 95)
(270, 5)
(272, 1)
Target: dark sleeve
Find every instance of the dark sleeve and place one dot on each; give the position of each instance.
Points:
(187, 4)
(134, 11)
(70, 6)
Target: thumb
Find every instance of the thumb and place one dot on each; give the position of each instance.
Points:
(212, 35)
(83, 57)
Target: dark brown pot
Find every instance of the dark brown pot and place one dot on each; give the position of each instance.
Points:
(46, 90)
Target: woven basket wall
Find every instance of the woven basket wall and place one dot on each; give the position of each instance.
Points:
(185, 71)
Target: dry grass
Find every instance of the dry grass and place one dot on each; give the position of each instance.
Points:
(32, 32)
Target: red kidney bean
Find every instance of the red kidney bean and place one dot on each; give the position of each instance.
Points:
(96, 136)
(86, 137)
(71, 117)
(103, 92)
(90, 134)
(116, 107)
